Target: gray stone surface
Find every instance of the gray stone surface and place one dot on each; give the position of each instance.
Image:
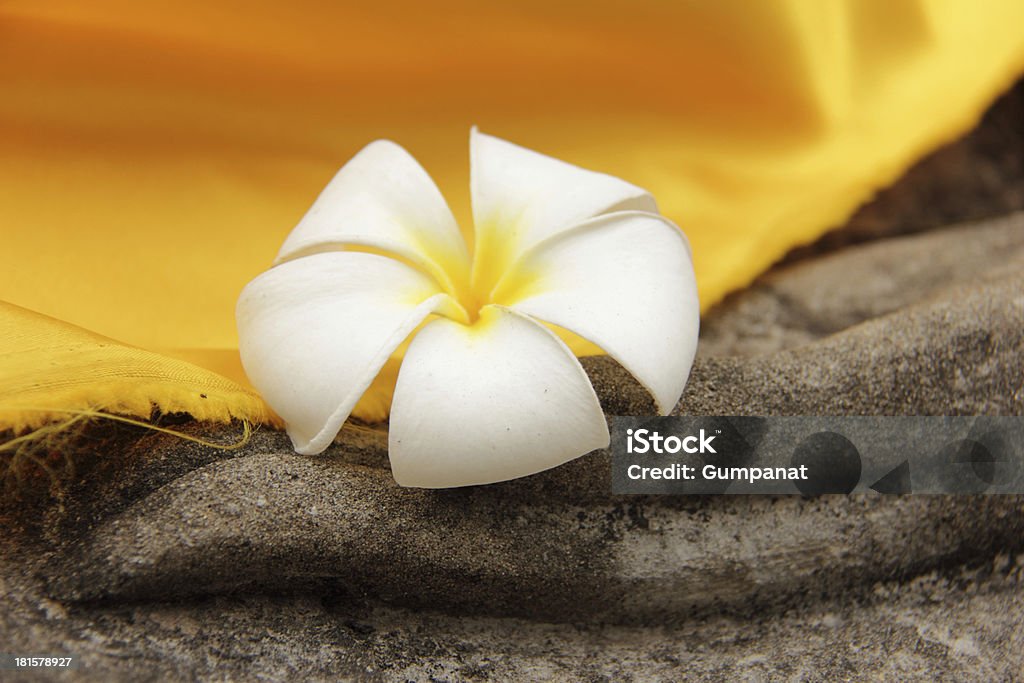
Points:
(166, 560)
(815, 298)
(539, 550)
(958, 355)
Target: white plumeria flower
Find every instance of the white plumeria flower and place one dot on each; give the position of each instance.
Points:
(487, 390)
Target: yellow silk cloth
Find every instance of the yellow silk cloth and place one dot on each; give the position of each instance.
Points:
(79, 361)
(153, 155)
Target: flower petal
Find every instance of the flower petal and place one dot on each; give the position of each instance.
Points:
(521, 197)
(382, 199)
(624, 282)
(502, 399)
(314, 333)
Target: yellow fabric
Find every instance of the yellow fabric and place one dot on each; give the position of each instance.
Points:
(49, 365)
(153, 155)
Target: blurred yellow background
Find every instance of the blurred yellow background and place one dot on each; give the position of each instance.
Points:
(153, 155)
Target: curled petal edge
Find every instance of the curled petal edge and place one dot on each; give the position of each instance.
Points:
(319, 443)
(624, 282)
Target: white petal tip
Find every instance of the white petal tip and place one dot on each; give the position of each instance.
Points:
(305, 445)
